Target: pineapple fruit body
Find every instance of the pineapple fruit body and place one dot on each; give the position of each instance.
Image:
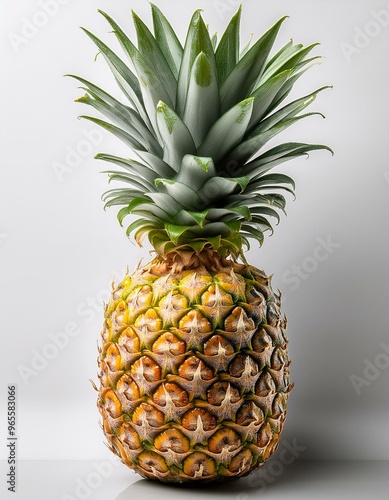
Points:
(194, 369)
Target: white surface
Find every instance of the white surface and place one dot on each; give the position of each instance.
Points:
(319, 480)
(59, 250)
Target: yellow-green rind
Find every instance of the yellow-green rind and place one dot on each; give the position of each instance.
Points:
(194, 370)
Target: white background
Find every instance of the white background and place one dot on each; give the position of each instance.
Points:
(59, 250)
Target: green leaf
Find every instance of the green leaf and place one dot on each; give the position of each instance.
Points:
(149, 172)
(132, 179)
(151, 87)
(281, 150)
(256, 199)
(202, 107)
(282, 55)
(137, 202)
(288, 85)
(243, 211)
(120, 196)
(125, 118)
(220, 214)
(214, 229)
(139, 223)
(118, 132)
(261, 210)
(129, 165)
(166, 202)
(187, 197)
(277, 155)
(292, 61)
(174, 231)
(228, 213)
(227, 52)
(269, 180)
(234, 226)
(288, 111)
(255, 188)
(251, 232)
(125, 78)
(188, 217)
(175, 136)
(243, 77)
(195, 171)
(262, 223)
(151, 52)
(206, 164)
(246, 48)
(140, 205)
(215, 241)
(277, 62)
(199, 245)
(220, 187)
(197, 40)
(160, 241)
(148, 210)
(228, 131)
(276, 200)
(214, 41)
(142, 232)
(135, 121)
(264, 96)
(157, 164)
(167, 40)
(123, 212)
(258, 138)
(234, 245)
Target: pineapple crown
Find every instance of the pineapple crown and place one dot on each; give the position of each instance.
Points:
(197, 117)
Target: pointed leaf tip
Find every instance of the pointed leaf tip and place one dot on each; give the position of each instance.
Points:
(246, 107)
(203, 70)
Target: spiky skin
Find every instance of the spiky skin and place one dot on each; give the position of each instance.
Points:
(194, 369)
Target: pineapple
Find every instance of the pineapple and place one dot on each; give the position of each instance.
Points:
(193, 365)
